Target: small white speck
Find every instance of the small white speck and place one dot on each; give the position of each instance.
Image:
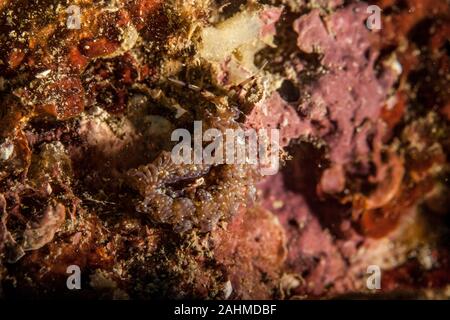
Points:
(43, 74)
(6, 151)
(228, 289)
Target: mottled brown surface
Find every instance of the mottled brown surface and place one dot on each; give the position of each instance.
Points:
(85, 176)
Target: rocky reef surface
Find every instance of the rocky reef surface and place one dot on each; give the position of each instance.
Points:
(86, 176)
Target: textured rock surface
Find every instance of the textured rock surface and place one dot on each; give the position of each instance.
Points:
(85, 123)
